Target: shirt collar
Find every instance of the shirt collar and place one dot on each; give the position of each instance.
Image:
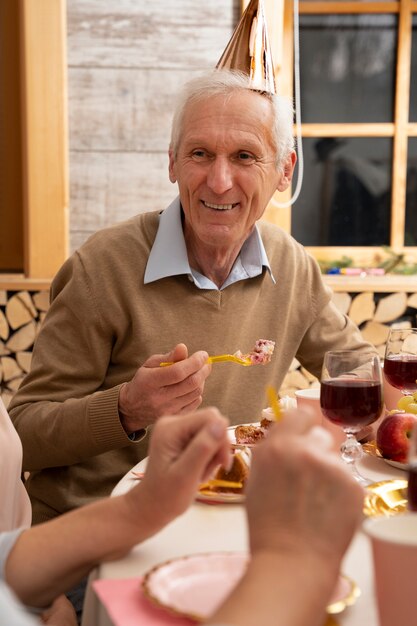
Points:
(168, 255)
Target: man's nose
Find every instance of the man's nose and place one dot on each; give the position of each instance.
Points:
(220, 177)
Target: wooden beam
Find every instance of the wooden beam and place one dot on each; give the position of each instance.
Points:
(387, 284)
(364, 256)
(45, 143)
(16, 282)
(348, 7)
(400, 147)
(11, 197)
(280, 29)
(348, 130)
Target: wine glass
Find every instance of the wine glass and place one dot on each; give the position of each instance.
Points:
(400, 363)
(351, 397)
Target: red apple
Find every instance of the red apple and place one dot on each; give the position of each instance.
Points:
(393, 436)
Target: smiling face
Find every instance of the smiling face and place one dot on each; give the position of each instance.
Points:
(225, 169)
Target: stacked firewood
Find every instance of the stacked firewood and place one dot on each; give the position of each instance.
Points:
(374, 313)
(22, 313)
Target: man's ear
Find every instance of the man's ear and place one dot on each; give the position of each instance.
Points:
(288, 171)
(171, 167)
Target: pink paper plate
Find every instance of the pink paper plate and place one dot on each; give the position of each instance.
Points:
(195, 586)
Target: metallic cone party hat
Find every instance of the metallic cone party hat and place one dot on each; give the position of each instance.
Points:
(248, 49)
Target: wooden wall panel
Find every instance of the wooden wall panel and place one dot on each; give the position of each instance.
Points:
(126, 61)
(138, 33)
(107, 187)
(122, 109)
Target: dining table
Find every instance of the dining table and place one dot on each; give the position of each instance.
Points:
(114, 594)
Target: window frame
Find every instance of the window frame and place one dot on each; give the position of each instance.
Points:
(279, 14)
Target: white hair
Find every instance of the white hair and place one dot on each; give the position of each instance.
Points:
(226, 83)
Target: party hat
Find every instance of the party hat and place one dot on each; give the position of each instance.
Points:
(248, 49)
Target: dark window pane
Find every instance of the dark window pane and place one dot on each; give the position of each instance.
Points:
(347, 68)
(410, 235)
(413, 77)
(345, 199)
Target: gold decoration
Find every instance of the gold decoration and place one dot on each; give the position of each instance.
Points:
(249, 51)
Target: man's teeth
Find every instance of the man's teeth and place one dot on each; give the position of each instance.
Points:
(220, 207)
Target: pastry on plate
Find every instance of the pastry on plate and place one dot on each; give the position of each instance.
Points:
(232, 480)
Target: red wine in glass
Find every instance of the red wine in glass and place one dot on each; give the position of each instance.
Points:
(351, 397)
(401, 372)
(351, 403)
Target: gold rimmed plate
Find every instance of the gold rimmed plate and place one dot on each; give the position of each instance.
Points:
(386, 497)
(195, 586)
(219, 497)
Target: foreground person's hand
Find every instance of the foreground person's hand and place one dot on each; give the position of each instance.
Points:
(309, 502)
(60, 613)
(183, 453)
(303, 507)
(156, 391)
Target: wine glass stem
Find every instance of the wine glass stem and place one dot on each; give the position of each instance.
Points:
(351, 451)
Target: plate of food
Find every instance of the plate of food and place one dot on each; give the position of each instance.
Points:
(253, 432)
(228, 486)
(371, 448)
(397, 464)
(223, 487)
(195, 586)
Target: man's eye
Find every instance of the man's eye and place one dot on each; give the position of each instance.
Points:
(245, 156)
(198, 154)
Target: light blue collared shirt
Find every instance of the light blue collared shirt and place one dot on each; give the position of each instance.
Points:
(168, 256)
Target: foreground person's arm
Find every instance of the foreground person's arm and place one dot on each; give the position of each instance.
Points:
(303, 508)
(50, 558)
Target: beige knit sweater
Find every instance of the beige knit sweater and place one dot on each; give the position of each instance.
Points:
(103, 323)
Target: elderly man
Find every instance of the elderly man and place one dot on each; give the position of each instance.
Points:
(202, 277)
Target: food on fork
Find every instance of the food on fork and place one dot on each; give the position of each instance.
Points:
(232, 480)
(261, 353)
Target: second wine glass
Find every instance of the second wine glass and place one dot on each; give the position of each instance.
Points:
(351, 397)
(400, 363)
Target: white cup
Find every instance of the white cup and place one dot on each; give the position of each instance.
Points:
(311, 398)
(394, 552)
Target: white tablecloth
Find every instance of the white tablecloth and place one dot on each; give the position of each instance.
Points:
(209, 528)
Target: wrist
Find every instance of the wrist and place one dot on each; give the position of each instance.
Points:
(308, 569)
(126, 417)
(140, 505)
(299, 564)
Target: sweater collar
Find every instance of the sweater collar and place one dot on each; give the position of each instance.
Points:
(168, 255)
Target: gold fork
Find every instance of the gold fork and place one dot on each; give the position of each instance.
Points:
(219, 358)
